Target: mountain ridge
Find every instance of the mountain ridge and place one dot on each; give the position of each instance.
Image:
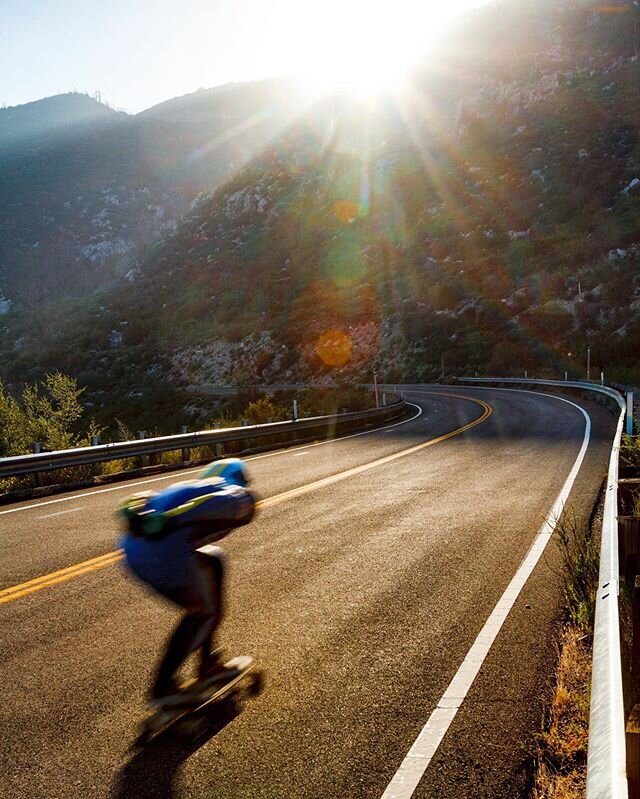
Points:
(52, 114)
(490, 224)
(86, 190)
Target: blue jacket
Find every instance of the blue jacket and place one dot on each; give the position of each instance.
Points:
(165, 529)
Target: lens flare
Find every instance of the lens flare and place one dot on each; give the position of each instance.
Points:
(346, 211)
(344, 264)
(334, 348)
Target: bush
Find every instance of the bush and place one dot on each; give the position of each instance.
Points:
(580, 559)
(630, 451)
(46, 413)
(264, 410)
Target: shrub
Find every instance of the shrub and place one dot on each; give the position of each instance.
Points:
(580, 559)
(630, 451)
(47, 413)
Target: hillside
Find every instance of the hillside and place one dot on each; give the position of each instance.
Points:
(85, 190)
(486, 219)
(52, 117)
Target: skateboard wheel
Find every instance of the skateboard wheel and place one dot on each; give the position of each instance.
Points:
(256, 684)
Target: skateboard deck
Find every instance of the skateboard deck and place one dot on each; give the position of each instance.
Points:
(186, 720)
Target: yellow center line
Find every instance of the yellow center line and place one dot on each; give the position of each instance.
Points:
(23, 589)
(296, 492)
(61, 576)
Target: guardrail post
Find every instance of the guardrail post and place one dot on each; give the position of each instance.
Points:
(270, 439)
(245, 441)
(632, 741)
(216, 426)
(185, 450)
(37, 476)
(295, 435)
(95, 441)
(144, 459)
(635, 650)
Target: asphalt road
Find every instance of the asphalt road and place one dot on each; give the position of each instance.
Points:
(360, 587)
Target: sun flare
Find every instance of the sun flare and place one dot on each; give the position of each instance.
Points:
(368, 47)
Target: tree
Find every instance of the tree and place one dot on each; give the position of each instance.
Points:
(14, 434)
(49, 413)
(263, 410)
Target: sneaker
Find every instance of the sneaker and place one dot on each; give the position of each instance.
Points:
(213, 664)
(172, 695)
(215, 672)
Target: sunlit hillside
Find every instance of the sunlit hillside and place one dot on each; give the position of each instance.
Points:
(483, 218)
(85, 190)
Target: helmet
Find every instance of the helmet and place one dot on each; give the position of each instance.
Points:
(231, 470)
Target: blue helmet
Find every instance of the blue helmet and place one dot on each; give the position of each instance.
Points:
(231, 470)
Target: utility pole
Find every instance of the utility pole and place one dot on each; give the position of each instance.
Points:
(588, 363)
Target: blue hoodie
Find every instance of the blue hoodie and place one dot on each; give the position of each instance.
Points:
(166, 528)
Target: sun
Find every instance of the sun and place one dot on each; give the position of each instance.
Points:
(368, 47)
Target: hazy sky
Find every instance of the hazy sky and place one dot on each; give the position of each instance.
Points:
(141, 52)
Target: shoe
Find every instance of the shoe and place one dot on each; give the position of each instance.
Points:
(215, 672)
(212, 665)
(172, 695)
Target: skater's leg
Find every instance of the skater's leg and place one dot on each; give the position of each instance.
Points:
(179, 647)
(193, 632)
(211, 567)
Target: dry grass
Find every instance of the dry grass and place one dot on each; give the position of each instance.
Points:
(562, 744)
(580, 551)
(562, 751)
(171, 458)
(108, 468)
(558, 786)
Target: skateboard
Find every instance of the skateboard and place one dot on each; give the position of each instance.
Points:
(187, 721)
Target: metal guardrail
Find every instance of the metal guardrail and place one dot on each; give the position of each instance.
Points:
(606, 756)
(613, 393)
(48, 461)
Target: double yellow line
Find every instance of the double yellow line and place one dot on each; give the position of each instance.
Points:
(326, 481)
(18, 591)
(61, 576)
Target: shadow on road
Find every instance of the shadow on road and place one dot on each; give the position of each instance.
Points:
(152, 771)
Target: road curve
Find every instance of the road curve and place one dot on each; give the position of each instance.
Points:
(360, 588)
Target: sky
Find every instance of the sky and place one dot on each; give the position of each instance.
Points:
(137, 53)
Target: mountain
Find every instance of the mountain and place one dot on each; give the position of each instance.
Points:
(52, 117)
(77, 198)
(86, 190)
(486, 218)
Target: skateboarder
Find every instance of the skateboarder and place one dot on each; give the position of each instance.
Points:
(168, 546)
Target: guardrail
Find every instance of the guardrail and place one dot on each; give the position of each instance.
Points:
(47, 461)
(606, 756)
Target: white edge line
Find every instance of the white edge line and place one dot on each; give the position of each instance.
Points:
(414, 765)
(60, 513)
(126, 486)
